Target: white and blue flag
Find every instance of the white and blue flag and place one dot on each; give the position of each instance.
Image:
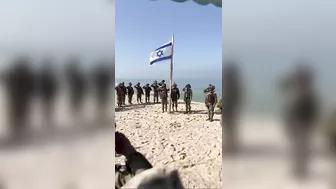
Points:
(162, 53)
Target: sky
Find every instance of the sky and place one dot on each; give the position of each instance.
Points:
(143, 25)
(81, 27)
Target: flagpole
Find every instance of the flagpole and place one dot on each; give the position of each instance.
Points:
(171, 74)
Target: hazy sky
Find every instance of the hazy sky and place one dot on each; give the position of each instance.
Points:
(143, 25)
(266, 35)
(73, 26)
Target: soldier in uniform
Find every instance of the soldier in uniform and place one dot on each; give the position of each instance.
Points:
(164, 97)
(188, 97)
(120, 95)
(210, 102)
(48, 89)
(301, 113)
(123, 87)
(162, 83)
(155, 87)
(175, 95)
(139, 92)
(231, 98)
(20, 86)
(130, 93)
(147, 89)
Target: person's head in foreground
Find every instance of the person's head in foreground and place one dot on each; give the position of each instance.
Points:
(130, 84)
(147, 85)
(138, 84)
(188, 86)
(174, 85)
(155, 178)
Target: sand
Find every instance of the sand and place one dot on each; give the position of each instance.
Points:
(186, 142)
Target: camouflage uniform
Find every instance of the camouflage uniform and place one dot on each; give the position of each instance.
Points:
(210, 102)
(147, 89)
(120, 94)
(164, 97)
(139, 92)
(123, 87)
(130, 93)
(187, 97)
(175, 95)
(155, 87)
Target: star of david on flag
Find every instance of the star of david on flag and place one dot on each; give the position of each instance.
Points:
(162, 53)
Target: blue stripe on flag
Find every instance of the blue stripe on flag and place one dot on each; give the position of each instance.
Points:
(160, 59)
(164, 46)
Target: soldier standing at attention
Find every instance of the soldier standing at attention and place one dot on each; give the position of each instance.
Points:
(187, 97)
(123, 87)
(130, 93)
(155, 87)
(210, 102)
(147, 89)
(139, 92)
(164, 97)
(120, 94)
(175, 95)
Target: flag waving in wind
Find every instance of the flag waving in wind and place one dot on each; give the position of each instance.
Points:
(162, 53)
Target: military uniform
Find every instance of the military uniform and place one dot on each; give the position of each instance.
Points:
(123, 87)
(188, 97)
(210, 103)
(147, 89)
(120, 94)
(130, 93)
(164, 97)
(175, 95)
(155, 87)
(139, 92)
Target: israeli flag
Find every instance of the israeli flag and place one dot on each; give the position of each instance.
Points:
(162, 53)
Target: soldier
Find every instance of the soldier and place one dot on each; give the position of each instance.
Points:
(77, 85)
(231, 98)
(155, 87)
(210, 102)
(175, 95)
(147, 89)
(130, 93)
(300, 115)
(188, 97)
(123, 87)
(48, 89)
(20, 85)
(120, 94)
(139, 92)
(162, 83)
(163, 90)
(102, 80)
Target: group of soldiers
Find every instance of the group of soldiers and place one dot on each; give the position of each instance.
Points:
(161, 90)
(23, 83)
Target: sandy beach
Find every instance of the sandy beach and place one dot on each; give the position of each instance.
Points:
(186, 142)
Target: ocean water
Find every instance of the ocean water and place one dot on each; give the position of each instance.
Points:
(197, 85)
